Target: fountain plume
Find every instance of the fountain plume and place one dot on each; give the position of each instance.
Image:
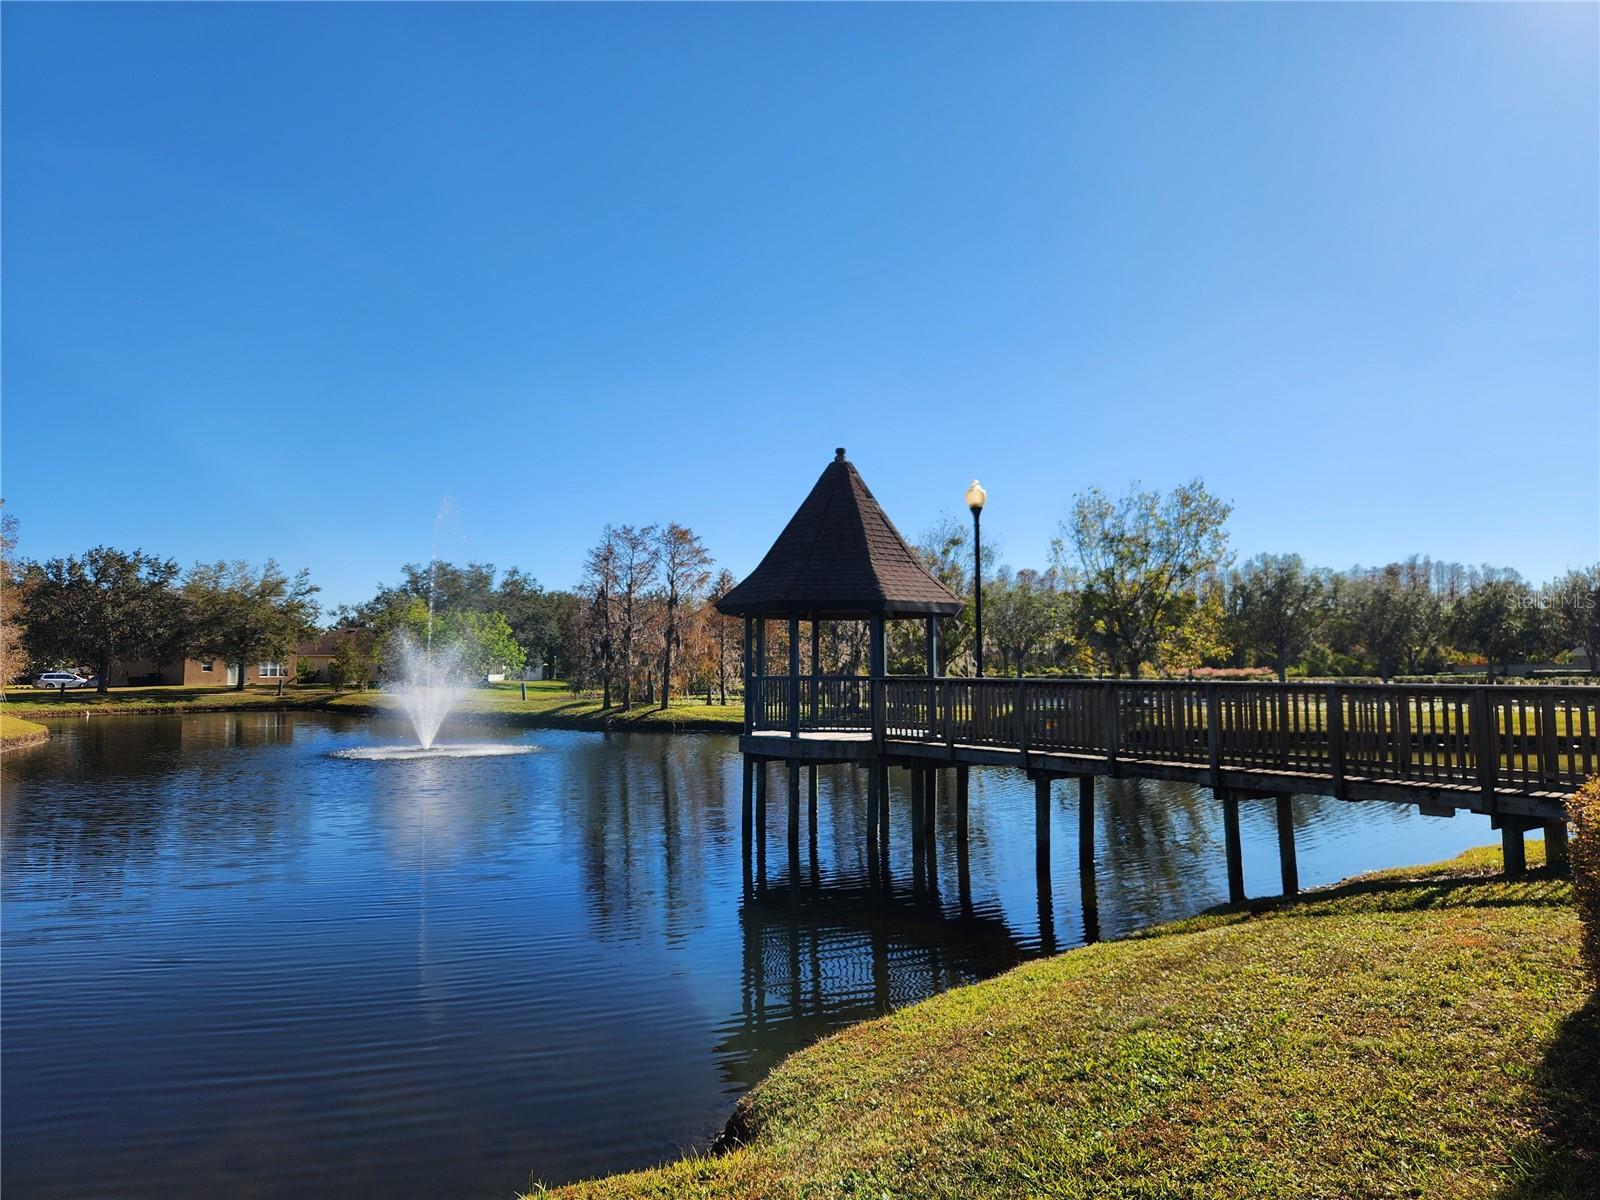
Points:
(431, 682)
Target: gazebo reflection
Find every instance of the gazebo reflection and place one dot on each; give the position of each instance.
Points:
(818, 957)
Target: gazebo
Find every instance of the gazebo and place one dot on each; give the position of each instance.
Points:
(839, 558)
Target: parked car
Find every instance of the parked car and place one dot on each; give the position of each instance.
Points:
(54, 680)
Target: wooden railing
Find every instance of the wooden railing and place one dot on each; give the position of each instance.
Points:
(824, 703)
(1524, 739)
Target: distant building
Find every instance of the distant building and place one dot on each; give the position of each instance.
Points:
(196, 672)
(316, 655)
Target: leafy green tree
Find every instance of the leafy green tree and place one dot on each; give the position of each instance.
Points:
(1136, 563)
(383, 626)
(1502, 620)
(1200, 634)
(106, 606)
(483, 642)
(1574, 602)
(532, 613)
(243, 614)
(469, 588)
(1021, 611)
(1277, 608)
(1389, 617)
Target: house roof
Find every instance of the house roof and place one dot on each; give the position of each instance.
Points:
(327, 643)
(840, 556)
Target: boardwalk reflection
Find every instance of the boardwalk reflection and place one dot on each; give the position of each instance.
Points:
(820, 956)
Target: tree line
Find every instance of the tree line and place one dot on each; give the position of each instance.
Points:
(1145, 583)
(110, 606)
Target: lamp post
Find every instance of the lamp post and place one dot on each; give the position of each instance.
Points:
(975, 498)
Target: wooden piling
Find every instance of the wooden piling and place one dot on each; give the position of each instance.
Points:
(761, 821)
(1235, 852)
(963, 786)
(1086, 825)
(918, 829)
(747, 799)
(794, 804)
(1041, 822)
(1515, 853)
(1556, 857)
(1086, 875)
(1286, 853)
(880, 771)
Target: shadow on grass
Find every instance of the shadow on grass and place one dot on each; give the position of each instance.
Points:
(1563, 1161)
(1539, 888)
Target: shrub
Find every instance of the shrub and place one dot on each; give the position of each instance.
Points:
(1583, 810)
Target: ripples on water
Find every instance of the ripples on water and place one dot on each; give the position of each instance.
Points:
(234, 963)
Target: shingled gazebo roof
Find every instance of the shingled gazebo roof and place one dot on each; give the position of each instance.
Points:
(840, 557)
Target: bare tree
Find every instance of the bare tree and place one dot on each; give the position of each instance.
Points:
(725, 633)
(601, 584)
(685, 571)
(637, 559)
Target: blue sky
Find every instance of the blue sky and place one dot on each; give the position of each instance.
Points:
(280, 278)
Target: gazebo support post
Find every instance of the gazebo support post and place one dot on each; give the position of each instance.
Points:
(918, 800)
(877, 668)
(794, 814)
(794, 677)
(749, 692)
(760, 673)
(761, 820)
(816, 669)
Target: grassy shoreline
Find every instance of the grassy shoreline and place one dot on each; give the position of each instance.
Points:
(1422, 1032)
(15, 733)
(549, 705)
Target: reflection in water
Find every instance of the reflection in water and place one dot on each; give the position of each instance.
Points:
(232, 961)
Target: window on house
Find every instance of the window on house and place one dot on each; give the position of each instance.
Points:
(271, 670)
(207, 663)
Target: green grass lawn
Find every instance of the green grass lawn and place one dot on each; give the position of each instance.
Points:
(548, 703)
(77, 702)
(1415, 1033)
(14, 731)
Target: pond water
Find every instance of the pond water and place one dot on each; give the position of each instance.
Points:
(236, 962)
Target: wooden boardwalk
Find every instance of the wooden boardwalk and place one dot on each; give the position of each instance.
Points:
(1512, 753)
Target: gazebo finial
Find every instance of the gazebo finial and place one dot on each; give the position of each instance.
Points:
(838, 454)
